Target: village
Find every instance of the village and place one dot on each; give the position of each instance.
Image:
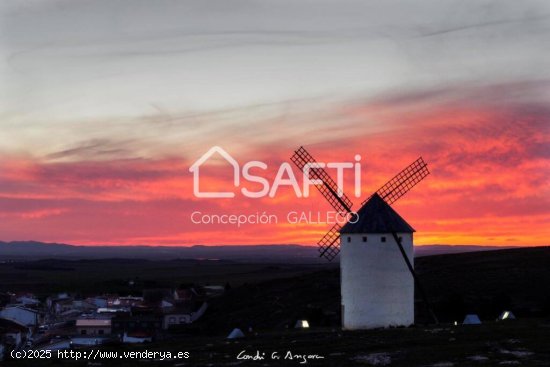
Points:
(66, 321)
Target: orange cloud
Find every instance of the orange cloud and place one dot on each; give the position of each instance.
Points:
(487, 151)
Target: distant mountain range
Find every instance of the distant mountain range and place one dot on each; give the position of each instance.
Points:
(32, 250)
(428, 250)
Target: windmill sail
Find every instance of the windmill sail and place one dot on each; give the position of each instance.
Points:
(329, 189)
(401, 183)
(329, 245)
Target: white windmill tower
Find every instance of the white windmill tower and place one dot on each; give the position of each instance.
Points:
(376, 263)
(377, 288)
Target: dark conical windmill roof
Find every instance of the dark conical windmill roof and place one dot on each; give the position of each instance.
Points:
(376, 216)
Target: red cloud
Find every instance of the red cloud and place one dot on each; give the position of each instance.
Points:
(487, 150)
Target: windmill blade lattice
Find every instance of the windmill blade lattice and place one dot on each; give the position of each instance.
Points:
(341, 203)
(329, 244)
(405, 180)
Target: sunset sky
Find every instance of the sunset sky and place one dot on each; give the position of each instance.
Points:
(104, 106)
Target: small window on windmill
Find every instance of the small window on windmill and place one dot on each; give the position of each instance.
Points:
(383, 239)
(349, 238)
(364, 238)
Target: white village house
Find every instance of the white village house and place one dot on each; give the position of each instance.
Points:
(23, 315)
(27, 300)
(13, 333)
(182, 316)
(93, 326)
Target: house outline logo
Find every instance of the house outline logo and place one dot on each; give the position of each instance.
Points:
(195, 169)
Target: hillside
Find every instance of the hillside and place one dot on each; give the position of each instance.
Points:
(268, 298)
(483, 282)
(90, 277)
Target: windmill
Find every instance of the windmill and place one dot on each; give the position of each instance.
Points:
(377, 289)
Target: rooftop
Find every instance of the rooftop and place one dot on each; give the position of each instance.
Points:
(376, 216)
(93, 322)
(7, 325)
